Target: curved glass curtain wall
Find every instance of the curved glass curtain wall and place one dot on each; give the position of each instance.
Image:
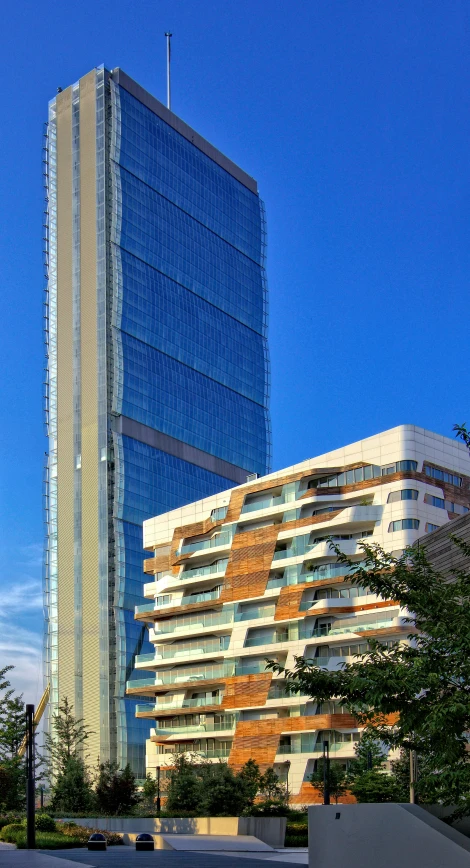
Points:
(188, 346)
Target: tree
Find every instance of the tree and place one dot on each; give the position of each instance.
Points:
(250, 777)
(72, 791)
(116, 791)
(416, 695)
(370, 754)
(377, 786)
(68, 738)
(12, 732)
(185, 792)
(224, 797)
(338, 779)
(65, 763)
(270, 786)
(149, 791)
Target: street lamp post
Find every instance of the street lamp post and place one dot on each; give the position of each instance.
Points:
(30, 795)
(158, 790)
(287, 778)
(326, 773)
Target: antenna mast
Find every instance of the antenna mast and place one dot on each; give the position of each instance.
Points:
(168, 79)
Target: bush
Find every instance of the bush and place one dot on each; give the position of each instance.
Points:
(83, 833)
(44, 823)
(9, 833)
(48, 841)
(9, 818)
(269, 808)
(296, 832)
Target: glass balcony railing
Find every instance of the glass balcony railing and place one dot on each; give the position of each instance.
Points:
(161, 708)
(266, 503)
(219, 567)
(270, 639)
(328, 630)
(209, 619)
(316, 750)
(210, 726)
(203, 597)
(172, 652)
(142, 707)
(146, 607)
(219, 539)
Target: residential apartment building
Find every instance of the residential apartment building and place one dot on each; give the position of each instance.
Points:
(157, 369)
(248, 574)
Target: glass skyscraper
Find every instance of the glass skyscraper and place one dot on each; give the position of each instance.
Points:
(157, 370)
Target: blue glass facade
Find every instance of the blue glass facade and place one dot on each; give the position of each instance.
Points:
(187, 353)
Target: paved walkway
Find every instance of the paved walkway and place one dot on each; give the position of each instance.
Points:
(127, 857)
(10, 857)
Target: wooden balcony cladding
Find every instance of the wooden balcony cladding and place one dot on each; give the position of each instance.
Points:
(245, 691)
(259, 739)
(249, 564)
(308, 795)
(290, 598)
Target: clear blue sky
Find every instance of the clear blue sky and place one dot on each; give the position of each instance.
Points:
(354, 118)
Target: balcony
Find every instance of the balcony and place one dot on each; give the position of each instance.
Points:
(211, 569)
(161, 708)
(189, 622)
(203, 597)
(226, 725)
(172, 652)
(220, 539)
(327, 630)
(266, 503)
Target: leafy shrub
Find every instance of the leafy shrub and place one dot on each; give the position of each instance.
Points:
(44, 823)
(269, 808)
(296, 840)
(48, 841)
(9, 833)
(83, 833)
(6, 819)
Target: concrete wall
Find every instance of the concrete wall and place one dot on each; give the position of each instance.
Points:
(382, 836)
(271, 830)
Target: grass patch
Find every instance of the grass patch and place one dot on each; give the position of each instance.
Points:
(49, 841)
(296, 832)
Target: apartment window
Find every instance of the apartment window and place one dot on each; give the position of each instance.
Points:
(443, 475)
(162, 600)
(430, 527)
(402, 466)
(449, 505)
(404, 494)
(404, 524)
(219, 513)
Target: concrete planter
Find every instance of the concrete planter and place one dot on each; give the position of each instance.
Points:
(271, 830)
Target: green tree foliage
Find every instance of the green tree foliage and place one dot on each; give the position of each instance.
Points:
(223, 794)
(116, 791)
(370, 754)
(377, 786)
(416, 695)
(67, 739)
(72, 789)
(270, 786)
(338, 779)
(250, 777)
(12, 732)
(185, 793)
(149, 791)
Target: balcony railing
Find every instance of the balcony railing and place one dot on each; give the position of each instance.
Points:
(219, 726)
(209, 619)
(266, 503)
(172, 652)
(219, 567)
(328, 630)
(202, 673)
(203, 597)
(161, 708)
(220, 539)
